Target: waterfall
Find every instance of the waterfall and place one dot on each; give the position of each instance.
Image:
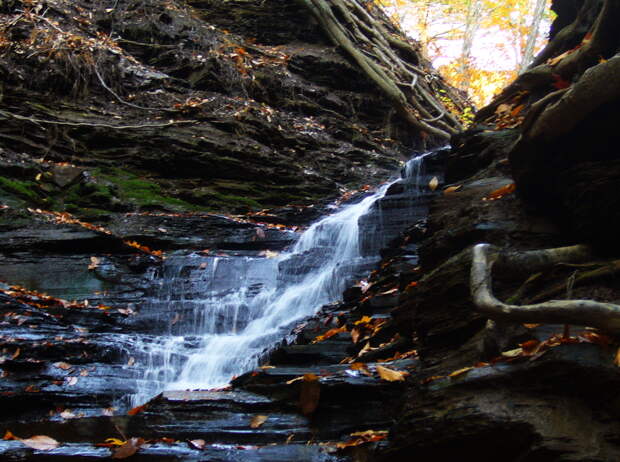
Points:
(222, 313)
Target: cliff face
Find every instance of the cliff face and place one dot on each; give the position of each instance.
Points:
(183, 106)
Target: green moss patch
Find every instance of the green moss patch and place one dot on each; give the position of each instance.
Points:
(22, 189)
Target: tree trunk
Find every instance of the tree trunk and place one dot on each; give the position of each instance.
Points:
(472, 23)
(528, 54)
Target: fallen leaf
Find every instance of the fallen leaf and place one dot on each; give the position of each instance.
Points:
(197, 444)
(530, 347)
(432, 378)
(515, 112)
(391, 375)
(109, 442)
(309, 394)
(9, 436)
(432, 185)
(330, 333)
(452, 189)
(368, 436)
(70, 381)
(41, 443)
(131, 361)
(16, 354)
(460, 371)
(62, 365)
(355, 334)
(128, 449)
(364, 320)
(512, 353)
(258, 420)
(501, 192)
(137, 410)
(389, 292)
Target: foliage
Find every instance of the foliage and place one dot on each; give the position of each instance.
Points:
(499, 28)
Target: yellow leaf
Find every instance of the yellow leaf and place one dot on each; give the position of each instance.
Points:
(432, 185)
(115, 441)
(460, 371)
(391, 375)
(512, 353)
(364, 320)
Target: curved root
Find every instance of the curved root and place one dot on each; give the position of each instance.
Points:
(604, 316)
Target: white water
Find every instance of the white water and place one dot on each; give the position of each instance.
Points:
(236, 308)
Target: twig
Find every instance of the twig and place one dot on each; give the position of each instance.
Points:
(121, 100)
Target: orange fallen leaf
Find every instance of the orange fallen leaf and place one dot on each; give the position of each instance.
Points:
(452, 189)
(432, 378)
(391, 375)
(501, 192)
(359, 438)
(355, 334)
(258, 420)
(137, 410)
(330, 333)
(9, 436)
(530, 347)
(515, 112)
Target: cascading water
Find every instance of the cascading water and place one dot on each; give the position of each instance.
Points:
(224, 312)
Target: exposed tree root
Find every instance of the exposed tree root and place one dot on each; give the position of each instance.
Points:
(391, 63)
(580, 277)
(605, 316)
(10, 115)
